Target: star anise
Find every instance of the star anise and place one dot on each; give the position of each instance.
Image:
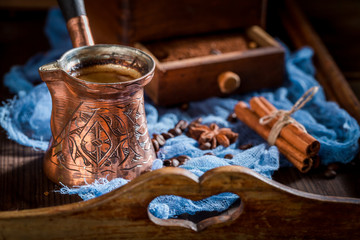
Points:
(209, 137)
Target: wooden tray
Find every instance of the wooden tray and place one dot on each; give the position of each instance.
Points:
(268, 209)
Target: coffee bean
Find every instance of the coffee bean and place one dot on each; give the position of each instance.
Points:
(175, 131)
(167, 163)
(215, 51)
(167, 135)
(232, 118)
(329, 174)
(209, 153)
(205, 146)
(155, 144)
(245, 146)
(229, 156)
(175, 162)
(185, 126)
(333, 166)
(179, 124)
(184, 106)
(160, 139)
(182, 124)
(353, 164)
(183, 158)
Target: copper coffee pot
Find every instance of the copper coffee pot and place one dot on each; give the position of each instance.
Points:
(98, 129)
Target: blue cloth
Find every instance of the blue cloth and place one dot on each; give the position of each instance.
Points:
(26, 119)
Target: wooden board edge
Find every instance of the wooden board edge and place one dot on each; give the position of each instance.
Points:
(333, 81)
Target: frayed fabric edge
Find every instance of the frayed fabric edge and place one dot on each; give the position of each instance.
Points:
(13, 132)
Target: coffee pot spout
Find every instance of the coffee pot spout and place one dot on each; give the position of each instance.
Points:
(51, 72)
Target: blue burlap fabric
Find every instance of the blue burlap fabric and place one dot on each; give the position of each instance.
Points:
(26, 118)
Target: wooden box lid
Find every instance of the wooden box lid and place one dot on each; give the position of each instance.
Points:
(129, 21)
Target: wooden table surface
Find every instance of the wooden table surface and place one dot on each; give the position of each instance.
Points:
(22, 184)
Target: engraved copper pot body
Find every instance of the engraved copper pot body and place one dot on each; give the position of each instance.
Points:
(98, 129)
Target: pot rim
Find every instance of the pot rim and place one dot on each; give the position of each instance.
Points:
(65, 58)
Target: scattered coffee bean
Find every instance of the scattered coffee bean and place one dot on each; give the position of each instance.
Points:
(215, 51)
(167, 135)
(333, 166)
(155, 144)
(167, 163)
(353, 164)
(184, 106)
(175, 131)
(185, 126)
(232, 118)
(229, 156)
(183, 158)
(175, 162)
(160, 139)
(245, 146)
(205, 146)
(182, 124)
(331, 170)
(329, 174)
(209, 153)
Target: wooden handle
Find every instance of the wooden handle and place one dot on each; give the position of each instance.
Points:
(228, 82)
(77, 22)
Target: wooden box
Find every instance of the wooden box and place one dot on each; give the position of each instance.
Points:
(183, 26)
(195, 68)
(129, 21)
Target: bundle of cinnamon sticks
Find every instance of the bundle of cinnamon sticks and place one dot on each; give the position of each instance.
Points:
(299, 147)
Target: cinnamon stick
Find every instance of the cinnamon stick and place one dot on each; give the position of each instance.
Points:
(301, 140)
(300, 160)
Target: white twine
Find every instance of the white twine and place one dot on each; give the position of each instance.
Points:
(284, 116)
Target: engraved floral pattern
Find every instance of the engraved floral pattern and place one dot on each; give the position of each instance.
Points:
(100, 139)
